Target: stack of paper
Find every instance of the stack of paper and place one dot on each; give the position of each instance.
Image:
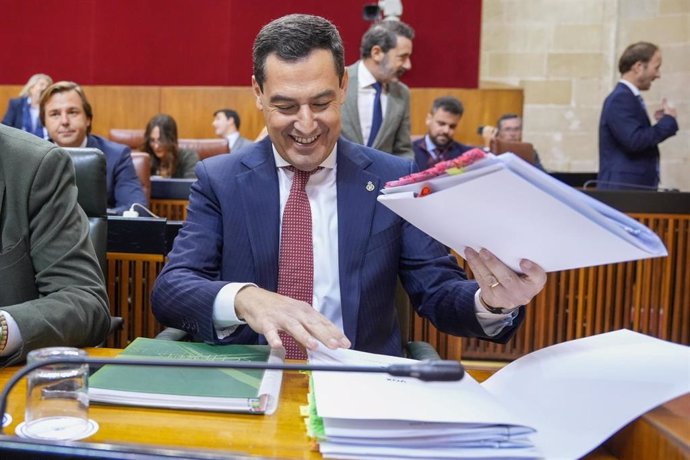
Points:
(558, 402)
(516, 211)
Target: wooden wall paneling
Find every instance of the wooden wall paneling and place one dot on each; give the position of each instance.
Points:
(130, 281)
(8, 92)
(170, 209)
(678, 273)
(122, 106)
(193, 107)
(482, 107)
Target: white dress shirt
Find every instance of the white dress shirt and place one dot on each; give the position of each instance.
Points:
(232, 138)
(365, 99)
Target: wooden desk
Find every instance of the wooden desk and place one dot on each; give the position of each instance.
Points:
(281, 435)
(661, 433)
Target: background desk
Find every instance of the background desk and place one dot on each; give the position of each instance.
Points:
(661, 433)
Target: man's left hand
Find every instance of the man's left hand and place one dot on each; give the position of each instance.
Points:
(501, 287)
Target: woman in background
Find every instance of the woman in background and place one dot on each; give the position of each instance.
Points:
(23, 111)
(167, 158)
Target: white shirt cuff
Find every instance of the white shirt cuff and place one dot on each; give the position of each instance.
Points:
(492, 323)
(225, 318)
(14, 337)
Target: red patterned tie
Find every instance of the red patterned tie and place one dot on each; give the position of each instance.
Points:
(296, 263)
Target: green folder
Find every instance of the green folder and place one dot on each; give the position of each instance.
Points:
(231, 390)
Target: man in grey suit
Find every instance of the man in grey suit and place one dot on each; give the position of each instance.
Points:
(386, 49)
(226, 123)
(52, 291)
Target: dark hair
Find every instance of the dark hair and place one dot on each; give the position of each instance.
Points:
(448, 103)
(62, 87)
(640, 51)
(504, 117)
(229, 113)
(385, 35)
(292, 38)
(167, 128)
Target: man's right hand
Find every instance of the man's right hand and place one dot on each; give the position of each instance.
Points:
(666, 109)
(267, 313)
(488, 134)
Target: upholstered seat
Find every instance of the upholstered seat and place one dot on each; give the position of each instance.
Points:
(134, 138)
(89, 165)
(92, 196)
(205, 147)
(524, 150)
(142, 166)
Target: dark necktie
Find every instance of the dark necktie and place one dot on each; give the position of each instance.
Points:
(441, 155)
(296, 263)
(377, 117)
(639, 98)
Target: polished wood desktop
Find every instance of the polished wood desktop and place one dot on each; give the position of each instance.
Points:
(661, 433)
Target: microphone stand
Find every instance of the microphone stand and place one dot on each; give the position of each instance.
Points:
(436, 370)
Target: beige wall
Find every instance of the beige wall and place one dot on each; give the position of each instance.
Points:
(564, 53)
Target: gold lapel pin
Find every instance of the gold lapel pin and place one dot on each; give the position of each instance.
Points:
(370, 186)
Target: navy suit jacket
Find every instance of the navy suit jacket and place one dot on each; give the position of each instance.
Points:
(423, 158)
(232, 234)
(14, 116)
(628, 143)
(124, 187)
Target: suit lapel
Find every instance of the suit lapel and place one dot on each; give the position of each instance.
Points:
(258, 187)
(357, 190)
(350, 112)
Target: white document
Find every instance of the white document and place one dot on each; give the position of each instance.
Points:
(559, 402)
(516, 211)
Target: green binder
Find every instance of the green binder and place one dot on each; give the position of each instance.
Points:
(231, 390)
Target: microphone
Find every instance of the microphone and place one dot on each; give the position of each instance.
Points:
(428, 370)
(626, 185)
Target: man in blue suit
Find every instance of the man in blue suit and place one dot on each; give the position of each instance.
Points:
(67, 115)
(438, 144)
(628, 143)
(223, 279)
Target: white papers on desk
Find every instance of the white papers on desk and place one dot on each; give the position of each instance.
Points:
(516, 211)
(558, 402)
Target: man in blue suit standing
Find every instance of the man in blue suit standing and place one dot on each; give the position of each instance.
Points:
(628, 143)
(67, 115)
(235, 274)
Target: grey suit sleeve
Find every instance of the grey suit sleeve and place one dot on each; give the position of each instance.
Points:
(71, 308)
(403, 143)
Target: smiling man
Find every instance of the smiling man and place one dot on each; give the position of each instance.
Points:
(67, 116)
(438, 144)
(628, 143)
(285, 242)
(377, 110)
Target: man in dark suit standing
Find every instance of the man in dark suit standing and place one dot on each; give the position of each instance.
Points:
(287, 236)
(377, 109)
(438, 143)
(628, 143)
(67, 115)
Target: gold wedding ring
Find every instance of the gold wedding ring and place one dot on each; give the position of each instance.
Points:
(494, 284)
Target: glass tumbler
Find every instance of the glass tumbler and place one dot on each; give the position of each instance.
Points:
(57, 400)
